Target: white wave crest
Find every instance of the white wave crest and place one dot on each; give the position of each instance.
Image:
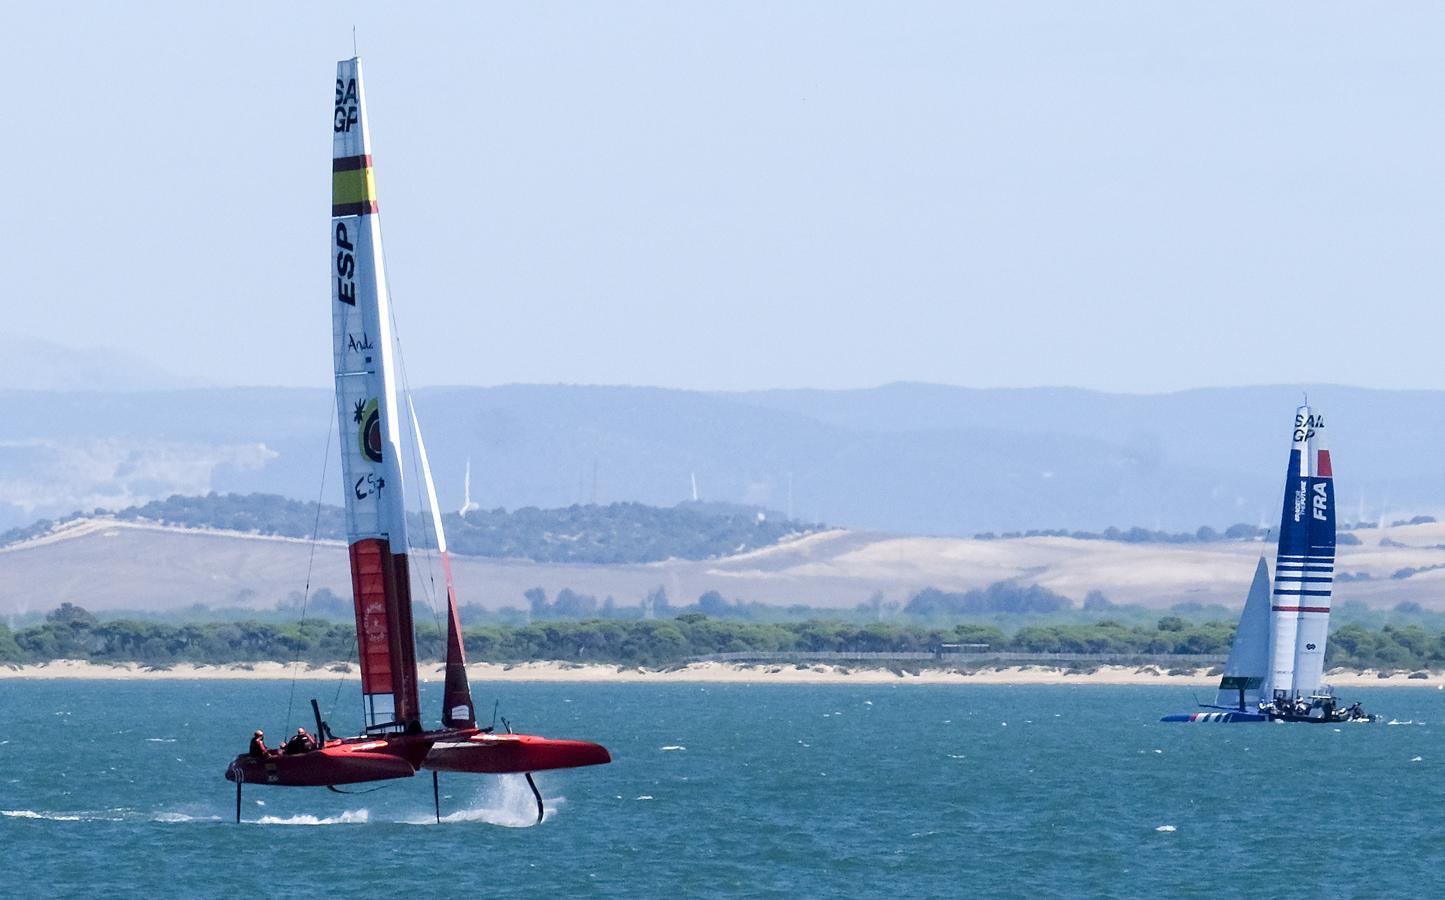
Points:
(349, 817)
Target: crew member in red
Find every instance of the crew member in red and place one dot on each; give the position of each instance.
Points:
(258, 744)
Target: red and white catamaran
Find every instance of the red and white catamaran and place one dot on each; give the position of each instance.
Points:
(395, 743)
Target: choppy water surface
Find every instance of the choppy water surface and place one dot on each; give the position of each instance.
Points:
(732, 790)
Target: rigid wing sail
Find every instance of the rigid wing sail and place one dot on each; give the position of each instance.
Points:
(1305, 564)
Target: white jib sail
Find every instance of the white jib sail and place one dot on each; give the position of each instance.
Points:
(1244, 673)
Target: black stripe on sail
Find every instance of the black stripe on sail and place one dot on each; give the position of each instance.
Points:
(1240, 682)
(351, 163)
(365, 207)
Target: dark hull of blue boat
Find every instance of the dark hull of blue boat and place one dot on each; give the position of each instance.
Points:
(1217, 716)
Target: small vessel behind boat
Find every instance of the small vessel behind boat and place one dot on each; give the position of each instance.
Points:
(1276, 665)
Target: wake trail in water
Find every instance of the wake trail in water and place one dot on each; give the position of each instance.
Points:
(32, 814)
(177, 818)
(349, 817)
(59, 817)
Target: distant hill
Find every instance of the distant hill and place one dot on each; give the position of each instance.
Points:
(905, 458)
(612, 534)
(109, 564)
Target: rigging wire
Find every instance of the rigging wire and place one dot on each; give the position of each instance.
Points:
(311, 561)
(340, 683)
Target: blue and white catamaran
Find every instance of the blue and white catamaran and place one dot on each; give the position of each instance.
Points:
(1276, 665)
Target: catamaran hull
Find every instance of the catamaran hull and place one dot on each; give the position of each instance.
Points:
(1236, 716)
(496, 754)
(1227, 717)
(339, 762)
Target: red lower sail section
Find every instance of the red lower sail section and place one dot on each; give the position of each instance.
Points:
(469, 750)
(340, 762)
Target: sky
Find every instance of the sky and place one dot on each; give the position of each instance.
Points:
(1134, 197)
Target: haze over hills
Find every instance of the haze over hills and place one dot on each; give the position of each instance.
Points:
(904, 458)
(33, 364)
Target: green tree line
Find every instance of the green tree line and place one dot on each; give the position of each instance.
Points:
(73, 633)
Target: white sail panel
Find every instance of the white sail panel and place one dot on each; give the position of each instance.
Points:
(1248, 665)
(1293, 544)
(361, 329)
(1316, 577)
(370, 429)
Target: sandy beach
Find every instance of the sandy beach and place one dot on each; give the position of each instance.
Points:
(703, 672)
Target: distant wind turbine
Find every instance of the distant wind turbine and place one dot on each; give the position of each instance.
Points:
(467, 504)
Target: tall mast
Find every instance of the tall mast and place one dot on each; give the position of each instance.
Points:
(366, 406)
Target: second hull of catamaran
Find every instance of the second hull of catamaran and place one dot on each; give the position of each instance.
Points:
(481, 752)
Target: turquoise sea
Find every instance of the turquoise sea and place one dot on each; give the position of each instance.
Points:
(115, 789)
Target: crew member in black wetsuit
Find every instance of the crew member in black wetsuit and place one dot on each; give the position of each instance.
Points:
(301, 743)
(258, 744)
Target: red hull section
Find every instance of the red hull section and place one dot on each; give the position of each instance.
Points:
(339, 762)
(495, 754)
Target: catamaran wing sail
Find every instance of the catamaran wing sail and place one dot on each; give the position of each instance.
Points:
(1248, 664)
(1318, 574)
(1290, 560)
(457, 708)
(366, 405)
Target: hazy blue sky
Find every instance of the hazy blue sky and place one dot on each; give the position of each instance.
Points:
(1131, 196)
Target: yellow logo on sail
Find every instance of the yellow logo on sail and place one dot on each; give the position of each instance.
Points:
(367, 416)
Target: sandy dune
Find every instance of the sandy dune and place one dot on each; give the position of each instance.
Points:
(105, 564)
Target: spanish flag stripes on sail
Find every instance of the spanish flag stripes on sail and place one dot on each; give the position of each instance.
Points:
(353, 186)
